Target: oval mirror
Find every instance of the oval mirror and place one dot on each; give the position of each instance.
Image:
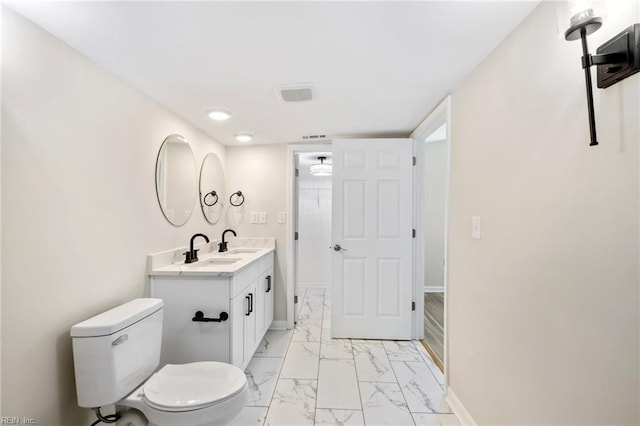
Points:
(176, 177)
(212, 188)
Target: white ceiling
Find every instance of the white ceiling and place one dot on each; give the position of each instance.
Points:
(378, 67)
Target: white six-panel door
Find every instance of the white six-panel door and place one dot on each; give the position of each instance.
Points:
(372, 236)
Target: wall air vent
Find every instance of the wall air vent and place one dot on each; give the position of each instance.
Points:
(295, 92)
(314, 137)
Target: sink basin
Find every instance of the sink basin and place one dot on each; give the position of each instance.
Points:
(217, 261)
(244, 250)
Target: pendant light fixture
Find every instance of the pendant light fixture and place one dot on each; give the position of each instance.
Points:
(321, 169)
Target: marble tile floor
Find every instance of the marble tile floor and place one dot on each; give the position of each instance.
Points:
(303, 377)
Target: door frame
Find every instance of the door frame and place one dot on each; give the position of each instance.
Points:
(292, 199)
(438, 116)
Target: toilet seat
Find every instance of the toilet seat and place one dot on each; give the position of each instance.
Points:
(193, 386)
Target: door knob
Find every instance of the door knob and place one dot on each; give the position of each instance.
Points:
(338, 248)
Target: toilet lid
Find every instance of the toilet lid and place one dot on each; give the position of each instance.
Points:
(191, 386)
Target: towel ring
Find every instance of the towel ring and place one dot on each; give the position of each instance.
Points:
(214, 195)
(238, 195)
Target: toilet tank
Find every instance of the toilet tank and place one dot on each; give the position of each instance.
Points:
(116, 351)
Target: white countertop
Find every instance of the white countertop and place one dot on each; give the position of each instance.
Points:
(242, 252)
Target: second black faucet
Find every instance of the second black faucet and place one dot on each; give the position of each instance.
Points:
(223, 244)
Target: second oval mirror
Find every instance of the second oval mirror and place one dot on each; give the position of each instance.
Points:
(212, 188)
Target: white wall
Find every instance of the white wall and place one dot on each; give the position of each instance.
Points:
(79, 210)
(314, 227)
(1, 31)
(260, 172)
(543, 319)
(434, 157)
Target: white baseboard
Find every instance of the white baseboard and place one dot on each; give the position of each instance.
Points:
(278, 325)
(458, 409)
(433, 289)
(314, 285)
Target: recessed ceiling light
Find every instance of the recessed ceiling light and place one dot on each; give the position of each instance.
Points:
(219, 114)
(243, 137)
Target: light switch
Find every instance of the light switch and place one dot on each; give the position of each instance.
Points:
(263, 217)
(282, 217)
(254, 217)
(475, 227)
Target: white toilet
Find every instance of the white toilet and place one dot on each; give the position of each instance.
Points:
(115, 355)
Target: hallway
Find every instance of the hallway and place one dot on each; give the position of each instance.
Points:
(302, 377)
(434, 323)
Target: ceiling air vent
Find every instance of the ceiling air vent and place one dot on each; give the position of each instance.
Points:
(295, 92)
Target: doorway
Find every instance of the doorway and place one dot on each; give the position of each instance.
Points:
(376, 260)
(434, 156)
(432, 139)
(313, 230)
(309, 207)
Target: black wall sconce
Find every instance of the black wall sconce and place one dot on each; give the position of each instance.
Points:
(616, 59)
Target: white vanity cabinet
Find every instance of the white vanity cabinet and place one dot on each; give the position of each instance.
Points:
(245, 295)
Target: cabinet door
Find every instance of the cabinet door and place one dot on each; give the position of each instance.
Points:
(261, 298)
(250, 322)
(268, 281)
(265, 301)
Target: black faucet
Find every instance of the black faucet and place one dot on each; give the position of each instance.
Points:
(192, 255)
(223, 245)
